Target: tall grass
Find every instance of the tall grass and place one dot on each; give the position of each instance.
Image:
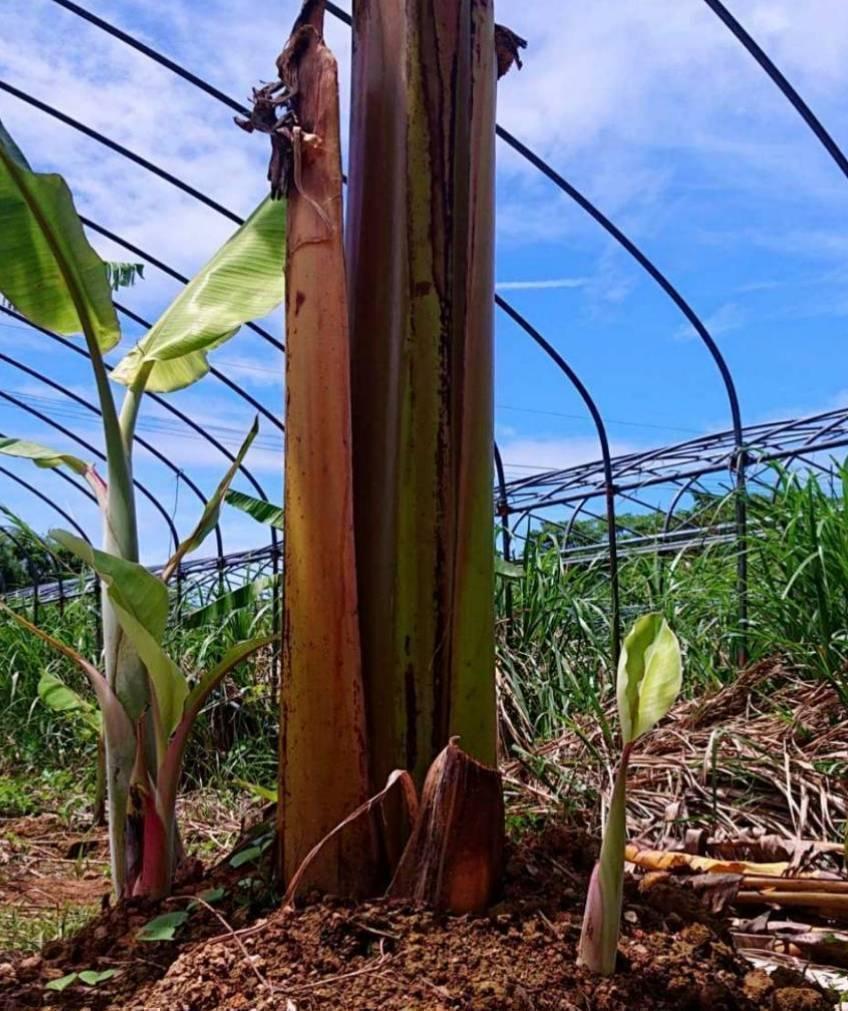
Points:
(553, 651)
(799, 603)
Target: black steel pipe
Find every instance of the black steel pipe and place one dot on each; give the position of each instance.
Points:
(609, 487)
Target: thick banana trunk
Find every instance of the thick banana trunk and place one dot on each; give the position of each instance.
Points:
(420, 237)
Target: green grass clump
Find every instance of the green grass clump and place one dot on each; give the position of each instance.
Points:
(28, 930)
(553, 649)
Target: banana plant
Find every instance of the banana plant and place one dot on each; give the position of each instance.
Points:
(649, 679)
(52, 275)
(149, 783)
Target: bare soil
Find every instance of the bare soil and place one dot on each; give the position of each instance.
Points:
(390, 956)
(46, 865)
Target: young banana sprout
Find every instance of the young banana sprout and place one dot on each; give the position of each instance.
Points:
(649, 678)
(51, 274)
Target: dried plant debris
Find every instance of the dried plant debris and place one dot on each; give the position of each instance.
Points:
(744, 765)
(508, 48)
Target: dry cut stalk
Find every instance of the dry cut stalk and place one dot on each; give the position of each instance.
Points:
(453, 858)
(323, 762)
(672, 860)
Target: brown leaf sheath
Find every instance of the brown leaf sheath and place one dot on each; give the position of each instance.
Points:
(323, 763)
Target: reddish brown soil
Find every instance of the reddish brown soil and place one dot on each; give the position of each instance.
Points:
(392, 957)
(45, 864)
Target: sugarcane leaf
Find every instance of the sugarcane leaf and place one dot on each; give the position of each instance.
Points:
(140, 600)
(649, 675)
(243, 281)
(56, 695)
(212, 509)
(48, 270)
(262, 512)
(226, 603)
(42, 456)
(265, 793)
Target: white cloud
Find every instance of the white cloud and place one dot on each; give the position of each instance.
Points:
(615, 94)
(725, 319)
(551, 283)
(524, 456)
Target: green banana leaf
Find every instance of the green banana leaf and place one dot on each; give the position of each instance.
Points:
(212, 509)
(41, 456)
(48, 270)
(56, 695)
(141, 604)
(242, 281)
(262, 512)
(650, 673)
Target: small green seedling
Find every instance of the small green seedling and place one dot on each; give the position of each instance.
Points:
(90, 977)
(649, 679)
(210, 897)
(62, 983)
(162, 928)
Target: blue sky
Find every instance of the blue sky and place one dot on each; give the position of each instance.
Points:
(650, 108)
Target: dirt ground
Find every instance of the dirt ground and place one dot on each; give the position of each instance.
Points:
(45, 864)
(393, 957)
(238, 949)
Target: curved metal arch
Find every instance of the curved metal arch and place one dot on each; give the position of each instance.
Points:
(675, 502)
(788, 91)
(39, 494)
(572, 520)
(71, 395)
(609, 491)
(504, 135)
(654, 272)
(152, 53)
(172, 530)
(154, 261)
(502, 504)
(247, 397)
(155, 397)
(119, 149)
(35, 573)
